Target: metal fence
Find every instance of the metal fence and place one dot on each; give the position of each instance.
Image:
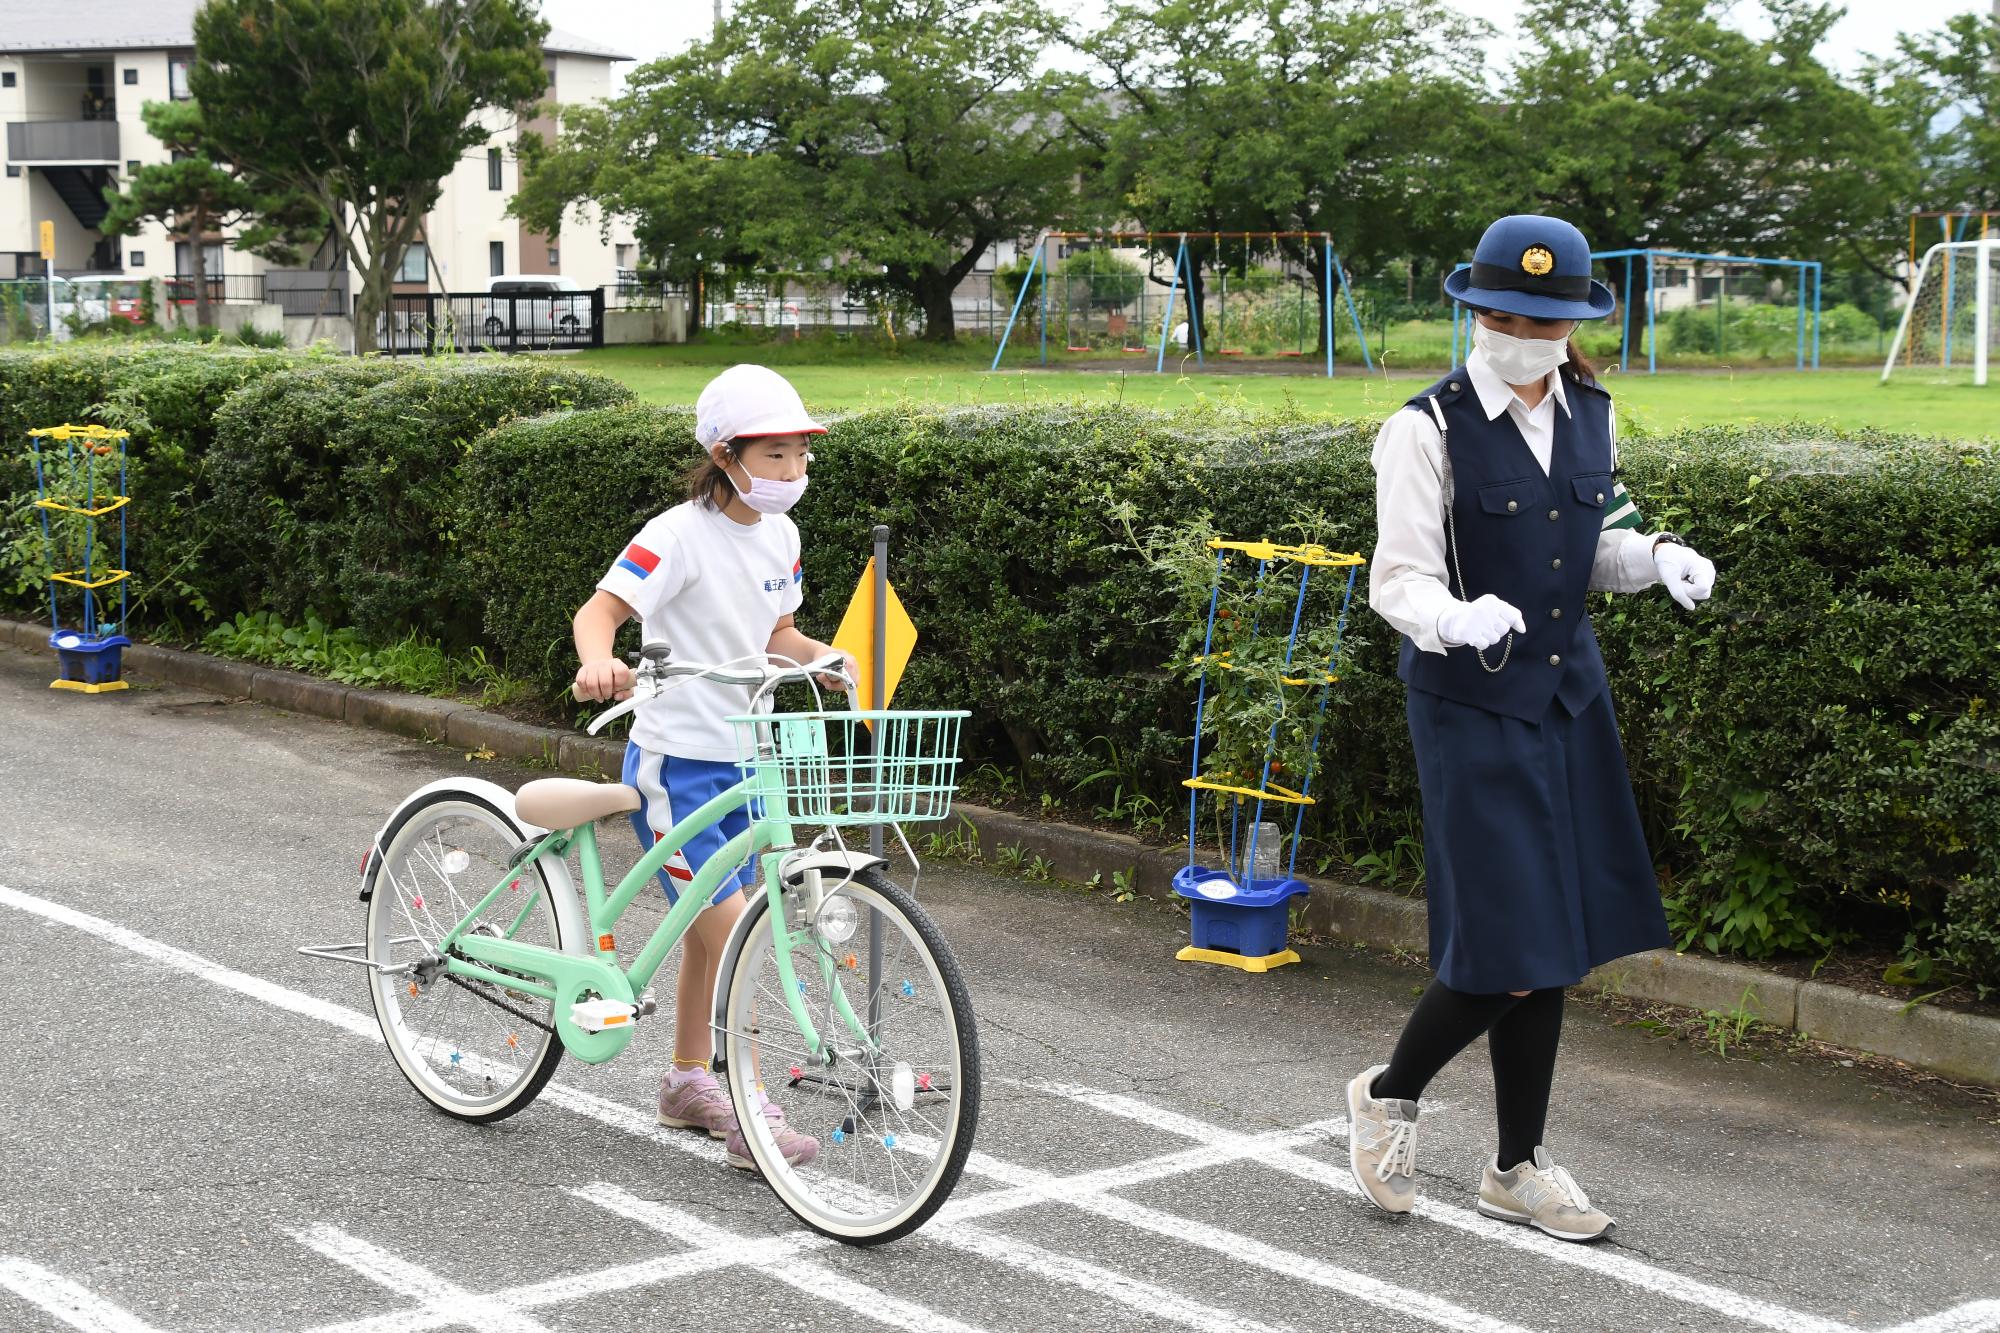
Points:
(307, 292)
(425, 323)
(223, 289)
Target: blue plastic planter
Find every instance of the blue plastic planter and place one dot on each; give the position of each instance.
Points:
(1237, 925)
(90, 664)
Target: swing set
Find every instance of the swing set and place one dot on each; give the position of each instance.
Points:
(1184, 270)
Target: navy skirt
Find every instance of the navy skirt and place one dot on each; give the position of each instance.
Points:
(1536, 867)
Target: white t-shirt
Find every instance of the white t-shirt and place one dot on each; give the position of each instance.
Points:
(713, 589)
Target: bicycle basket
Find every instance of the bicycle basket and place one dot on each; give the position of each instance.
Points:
(894, 766)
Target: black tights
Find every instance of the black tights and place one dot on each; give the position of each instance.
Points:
(1522, 1032)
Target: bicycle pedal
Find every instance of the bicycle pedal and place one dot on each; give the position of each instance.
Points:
(597, 1015)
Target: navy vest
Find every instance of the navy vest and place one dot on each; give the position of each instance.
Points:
(1528, 539)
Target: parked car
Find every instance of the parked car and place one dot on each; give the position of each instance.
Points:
(531, 306)
(102, 296)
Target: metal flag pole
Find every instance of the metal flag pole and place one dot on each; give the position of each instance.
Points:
(879, 699)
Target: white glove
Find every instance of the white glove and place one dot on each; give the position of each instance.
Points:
(1480, 624)
(1689, 576)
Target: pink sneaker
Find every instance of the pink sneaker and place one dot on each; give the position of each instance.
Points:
(798, 1149)
(692, 1099)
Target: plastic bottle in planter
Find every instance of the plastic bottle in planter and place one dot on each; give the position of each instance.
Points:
(1266, 855)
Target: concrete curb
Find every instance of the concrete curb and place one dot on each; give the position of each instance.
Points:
(1963, 1046)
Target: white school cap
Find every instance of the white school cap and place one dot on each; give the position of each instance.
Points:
(747, 401)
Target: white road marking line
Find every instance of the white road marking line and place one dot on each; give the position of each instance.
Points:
(1110, 1178)
(65, 1300)
(1605, 1263)
(1147, 1298)
(437, 1296)
(1027, 1188)
(814, 1279)
(581, 1286)
(1142, 1297)
(1972, 1317)
(1249, 1250)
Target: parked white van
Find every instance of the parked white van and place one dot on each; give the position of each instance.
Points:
(535, 306)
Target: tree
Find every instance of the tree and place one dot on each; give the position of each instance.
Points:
(886, 143)
(1656, 123)
(1351, 117)
(363, 106)
(1942, 90)
(198, 192)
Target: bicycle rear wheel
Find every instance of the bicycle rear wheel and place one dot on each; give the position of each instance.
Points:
(475, 1050)
(894, 1126)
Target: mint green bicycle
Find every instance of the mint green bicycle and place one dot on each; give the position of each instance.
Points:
(837, 993)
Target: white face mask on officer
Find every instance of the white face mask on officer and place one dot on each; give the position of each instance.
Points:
(1518, 360)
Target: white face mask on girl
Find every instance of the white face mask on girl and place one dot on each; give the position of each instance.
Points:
(1518, 360)
(767, 496)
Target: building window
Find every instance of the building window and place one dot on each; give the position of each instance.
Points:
(211, 259)
(131, 78)
(493, 179)
(13, 170)
(496, 257)
(7, 79)
(136, 258)
(177, 80)
(555, 257)
(416, 263)
(132, 167)
(623, 255)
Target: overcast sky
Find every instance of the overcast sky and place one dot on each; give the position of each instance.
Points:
(646, 29)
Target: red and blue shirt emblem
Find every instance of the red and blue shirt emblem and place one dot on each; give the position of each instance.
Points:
(638, 560)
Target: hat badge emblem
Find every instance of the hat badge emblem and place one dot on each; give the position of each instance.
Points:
(1537, 261)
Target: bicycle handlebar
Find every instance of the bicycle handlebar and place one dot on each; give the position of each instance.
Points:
(654, 669)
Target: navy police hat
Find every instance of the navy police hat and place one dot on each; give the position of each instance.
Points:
(1533, 266)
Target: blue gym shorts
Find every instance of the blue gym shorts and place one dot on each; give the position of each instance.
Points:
(669, 783)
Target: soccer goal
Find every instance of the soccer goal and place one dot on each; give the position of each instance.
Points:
(1948, 321)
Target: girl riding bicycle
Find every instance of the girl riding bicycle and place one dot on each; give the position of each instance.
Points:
(718, 577)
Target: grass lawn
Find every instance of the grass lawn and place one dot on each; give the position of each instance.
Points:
(855, 375)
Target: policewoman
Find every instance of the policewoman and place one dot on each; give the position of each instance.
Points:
(1499, 509)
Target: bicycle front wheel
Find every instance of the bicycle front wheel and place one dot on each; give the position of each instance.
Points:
(893, 1119)
(474, 1049)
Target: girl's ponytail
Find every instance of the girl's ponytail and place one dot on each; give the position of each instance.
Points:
(707, 483)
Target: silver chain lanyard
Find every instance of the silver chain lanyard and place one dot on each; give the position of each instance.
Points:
(1451, 531)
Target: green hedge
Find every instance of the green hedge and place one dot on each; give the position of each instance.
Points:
(168, 397)
(1815, 751)
(336, 487)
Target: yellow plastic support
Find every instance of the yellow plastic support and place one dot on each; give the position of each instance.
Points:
(60, 507)
(1324, 678)
(1190, 954)
(83, 687)
(1308, 554)
(110, 576)
(1282, 795)
(68, 432)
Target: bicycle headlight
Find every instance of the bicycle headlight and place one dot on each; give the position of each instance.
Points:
(836, 920)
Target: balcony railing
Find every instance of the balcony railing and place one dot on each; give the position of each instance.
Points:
(92, 141)
(223, 289)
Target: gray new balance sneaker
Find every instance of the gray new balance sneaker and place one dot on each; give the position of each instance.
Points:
(1382, 1144)
(1543, 1195)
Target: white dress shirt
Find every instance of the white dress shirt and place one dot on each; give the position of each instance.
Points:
(1407, 582)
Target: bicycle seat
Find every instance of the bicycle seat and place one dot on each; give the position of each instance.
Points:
(556, 803)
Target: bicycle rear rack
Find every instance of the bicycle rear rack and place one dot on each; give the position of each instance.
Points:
(345, 953)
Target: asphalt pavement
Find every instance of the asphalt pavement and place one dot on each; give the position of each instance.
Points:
(203, 1131)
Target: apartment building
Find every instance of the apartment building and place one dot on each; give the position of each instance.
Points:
(72, 85)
